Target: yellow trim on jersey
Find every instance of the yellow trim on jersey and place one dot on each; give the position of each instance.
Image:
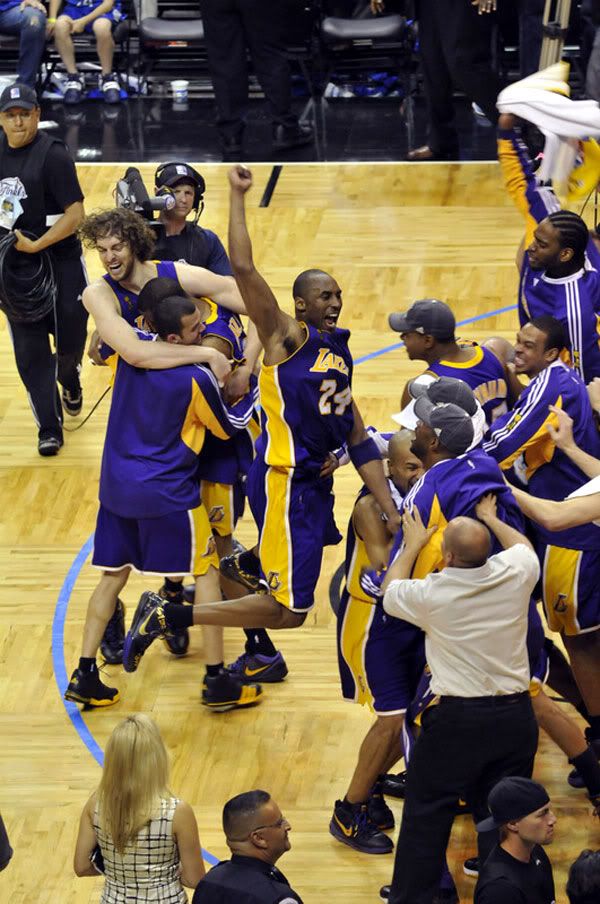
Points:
(218, 499)
(198, 418)
(275, 549)
(560, 585)
(464, 365)
(280, 450)
(539, 449)
(516, 184)
(204, 548)
(359, 562)
(430, 558)
(353, 640)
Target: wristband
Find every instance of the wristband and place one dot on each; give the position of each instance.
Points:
(51, 21)
(363, 453)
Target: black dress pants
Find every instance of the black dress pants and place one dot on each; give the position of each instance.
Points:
(231, 29)
(464, 749)
(455, 53)
(37, 365)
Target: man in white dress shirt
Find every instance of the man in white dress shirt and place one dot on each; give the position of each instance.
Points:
(474, 614)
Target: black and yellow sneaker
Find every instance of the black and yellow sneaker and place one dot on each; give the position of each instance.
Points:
(251, 667)
(351, 825)
(111, 645)
(222, 692)
(86, 688)
(176, 642)
(244, 568)
(378, 811)
(148, 623)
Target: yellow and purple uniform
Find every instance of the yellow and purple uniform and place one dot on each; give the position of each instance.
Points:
(224, 464)
(128, 301)
(484, 373)
(151, 516)
(380, 659)
(570, 558)
(574, 299)
(306, 412)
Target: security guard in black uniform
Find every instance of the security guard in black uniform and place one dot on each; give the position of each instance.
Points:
(40, 194)
(257, 835)
(177, 238)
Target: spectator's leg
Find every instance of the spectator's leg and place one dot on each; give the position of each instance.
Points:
(264, 28)
(442, 136)
(105, 45)
(226, 50)
(64, 43)
(531, 14)
(30, 24)
(466, 37)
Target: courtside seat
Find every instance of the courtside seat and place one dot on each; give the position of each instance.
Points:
(363, 31)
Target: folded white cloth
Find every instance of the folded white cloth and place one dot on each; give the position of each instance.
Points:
(551, 112)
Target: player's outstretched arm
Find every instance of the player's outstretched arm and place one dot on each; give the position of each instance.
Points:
(121, 337)
(365, 457)
(223, 290)
(370, 528)
(261, 304)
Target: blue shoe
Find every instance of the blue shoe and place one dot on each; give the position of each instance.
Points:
(148, 623)
(251, 667)
(74, 90)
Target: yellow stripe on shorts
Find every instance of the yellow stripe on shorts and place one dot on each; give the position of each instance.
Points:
(561, 578)
(218, 501)
(275, 548)
(204, 548)
(354, 635)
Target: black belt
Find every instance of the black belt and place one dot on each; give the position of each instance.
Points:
(495, 698)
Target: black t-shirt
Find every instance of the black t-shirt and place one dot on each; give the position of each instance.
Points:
(505, 880)
(245, 880)
(194, 245)
(61, 187)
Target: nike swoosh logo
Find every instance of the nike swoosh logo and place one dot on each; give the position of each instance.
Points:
(250, 672)
(347, 832)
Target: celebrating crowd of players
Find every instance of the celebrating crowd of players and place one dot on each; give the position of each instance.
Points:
(183, 449)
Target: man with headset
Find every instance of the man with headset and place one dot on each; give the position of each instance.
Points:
(178, 239)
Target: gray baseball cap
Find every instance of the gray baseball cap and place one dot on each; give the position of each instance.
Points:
(451, 424)
(428, 316)
(444, 389)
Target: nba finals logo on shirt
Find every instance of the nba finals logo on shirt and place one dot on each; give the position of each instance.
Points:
(11, 191)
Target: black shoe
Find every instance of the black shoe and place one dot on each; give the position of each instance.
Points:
(110, 88)
(393, 785)
(251, 667)
(86, 687)
(286, 137)
(111, 645)
(72, 402)
(378, 811)
(222, 692)
(444, 896)
(471, 867)
(74, 89)
(351, 825)
(244, 568)
(176, 642)
(148, 623)
(49, 445)
(384, 892)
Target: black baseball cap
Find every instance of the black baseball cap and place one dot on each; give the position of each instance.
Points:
(443, 390)
(428, 316)
(451, 424)
(172, 173)
(512, 799)
(18, 95)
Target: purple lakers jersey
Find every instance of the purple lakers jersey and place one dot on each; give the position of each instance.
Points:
(484, 373)
(128, 301)
(306, 402)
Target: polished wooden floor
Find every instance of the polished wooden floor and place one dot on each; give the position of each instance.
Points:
(390, 234)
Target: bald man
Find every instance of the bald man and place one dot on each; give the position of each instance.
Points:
(380, 661)
(474, 615)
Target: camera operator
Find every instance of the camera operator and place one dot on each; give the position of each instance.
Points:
(40, 194)
(178, 239)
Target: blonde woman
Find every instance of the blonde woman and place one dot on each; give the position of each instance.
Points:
(148, 839)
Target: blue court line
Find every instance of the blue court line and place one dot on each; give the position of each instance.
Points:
(62, 603)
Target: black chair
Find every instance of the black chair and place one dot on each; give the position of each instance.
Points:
(171, 41)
